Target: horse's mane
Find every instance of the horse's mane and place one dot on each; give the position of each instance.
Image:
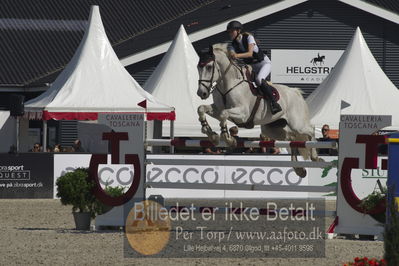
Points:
(221, 47)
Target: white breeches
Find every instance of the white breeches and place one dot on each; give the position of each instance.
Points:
(262, 69)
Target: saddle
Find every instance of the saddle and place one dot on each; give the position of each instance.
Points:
(250, 75)
(250, 78)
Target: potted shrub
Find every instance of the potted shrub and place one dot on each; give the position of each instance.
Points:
(101, 208)
(74, 188)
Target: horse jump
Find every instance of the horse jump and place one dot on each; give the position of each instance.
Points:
(354, 153)
(233, 100)
(254, 163)
(241, 144)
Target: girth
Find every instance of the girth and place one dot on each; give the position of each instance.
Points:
(250, 122)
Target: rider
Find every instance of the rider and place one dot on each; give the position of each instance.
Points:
(245, 47)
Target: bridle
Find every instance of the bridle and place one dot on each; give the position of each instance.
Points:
(213, 84)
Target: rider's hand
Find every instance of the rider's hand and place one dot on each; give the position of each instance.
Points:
(232, 55)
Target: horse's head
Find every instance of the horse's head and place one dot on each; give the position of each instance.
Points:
(208, 73)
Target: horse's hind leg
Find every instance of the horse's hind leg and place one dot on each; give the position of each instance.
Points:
(301, 172)
(314, 156)
(274, 132)
(313, 152)
(280, 133)
(205, 128)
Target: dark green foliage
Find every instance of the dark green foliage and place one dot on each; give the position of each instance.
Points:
(101, 208)
(74, 189)
(372, 200)
(326, 170)
(114, 191)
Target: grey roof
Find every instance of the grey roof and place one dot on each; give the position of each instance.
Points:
(39, 37)
(391, 5)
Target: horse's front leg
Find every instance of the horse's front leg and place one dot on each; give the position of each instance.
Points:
(237, 115)
(205, 128)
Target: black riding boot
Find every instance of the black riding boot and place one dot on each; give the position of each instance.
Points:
(266, 89)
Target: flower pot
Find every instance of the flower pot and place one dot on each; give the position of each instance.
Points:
(82, 220)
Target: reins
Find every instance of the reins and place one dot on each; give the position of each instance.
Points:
(213, 84)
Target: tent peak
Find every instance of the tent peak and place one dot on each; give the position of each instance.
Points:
(94, 81)
(358, 80)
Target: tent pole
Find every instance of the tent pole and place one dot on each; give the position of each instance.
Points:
(172, 134)
(17, 129)
(44, 141)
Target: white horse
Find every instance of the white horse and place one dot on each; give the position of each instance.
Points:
(234, 101)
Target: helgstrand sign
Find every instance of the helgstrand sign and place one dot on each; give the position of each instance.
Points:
(303, 66)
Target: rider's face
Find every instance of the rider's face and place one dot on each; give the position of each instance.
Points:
(233, 34)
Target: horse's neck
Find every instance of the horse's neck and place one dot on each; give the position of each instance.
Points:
(229, 72)
(223, 63)
(232, 86)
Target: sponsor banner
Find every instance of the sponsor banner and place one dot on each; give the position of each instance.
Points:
(282, 176)
(112, 175)
(303, 66)
(26, 175)
(117, 175)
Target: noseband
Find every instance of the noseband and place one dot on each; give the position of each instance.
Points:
(211, 84)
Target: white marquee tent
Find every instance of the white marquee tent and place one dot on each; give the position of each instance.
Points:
(358, 80)
(93, 81)
(7, 131)
(175, 82)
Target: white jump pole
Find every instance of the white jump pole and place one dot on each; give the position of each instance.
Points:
(245, 144)
(44, 141)
(172, 134)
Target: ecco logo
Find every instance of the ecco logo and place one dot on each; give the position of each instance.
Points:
(108, 175)
(108, 181)
(255, 176)
(190, 175)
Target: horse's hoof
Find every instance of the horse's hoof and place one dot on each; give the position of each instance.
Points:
(214, 138)
(233, 142)
(320, 159)
(206, 130)
(301, 172)
(230, 141)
